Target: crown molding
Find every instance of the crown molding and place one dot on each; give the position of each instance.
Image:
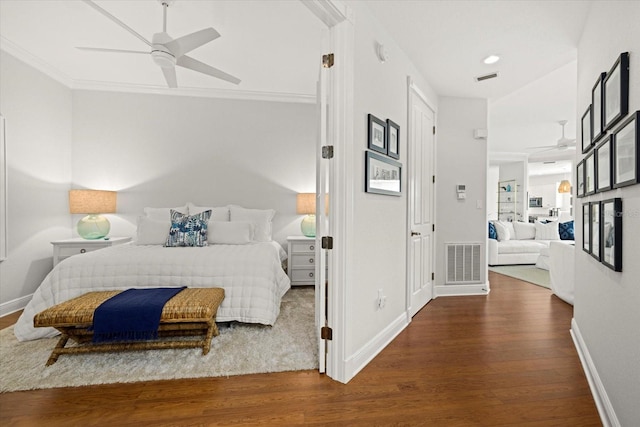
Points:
(35, 62)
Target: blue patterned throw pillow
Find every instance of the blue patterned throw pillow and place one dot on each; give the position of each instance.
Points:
(188, 230)
(565, 229)
(493, 234)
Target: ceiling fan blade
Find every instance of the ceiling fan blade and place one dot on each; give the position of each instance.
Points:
(116, 20)
(542, 146)
(201, 67)
(170, 76)
(101, 49)
(187, 43)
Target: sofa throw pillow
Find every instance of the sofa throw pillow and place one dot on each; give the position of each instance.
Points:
(493, 234)
(565, 229)
(548, 231)
(188, 230)
(524, 230)
(503, 230)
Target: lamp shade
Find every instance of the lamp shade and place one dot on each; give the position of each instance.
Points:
(92, 201)
(564, 187)
(306, 204)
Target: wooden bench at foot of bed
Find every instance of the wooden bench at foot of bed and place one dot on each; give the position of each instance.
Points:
(192, 312)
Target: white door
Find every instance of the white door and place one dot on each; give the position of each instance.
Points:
(421, 150)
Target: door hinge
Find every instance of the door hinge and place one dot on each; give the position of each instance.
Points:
(433, 227)
(433, 179)
(433, 276)
(434, 130)
(327, 60)
(327, 152)
(327, 242)
(326, 333)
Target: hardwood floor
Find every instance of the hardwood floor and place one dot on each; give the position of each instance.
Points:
(506, 359)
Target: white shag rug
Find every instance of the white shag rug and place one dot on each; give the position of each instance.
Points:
(289, 345)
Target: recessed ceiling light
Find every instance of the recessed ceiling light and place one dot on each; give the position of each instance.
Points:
(491, 59)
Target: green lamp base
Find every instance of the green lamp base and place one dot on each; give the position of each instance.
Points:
(308, 226)
(93, 227)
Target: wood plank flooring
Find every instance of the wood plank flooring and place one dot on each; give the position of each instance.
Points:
(506, 359)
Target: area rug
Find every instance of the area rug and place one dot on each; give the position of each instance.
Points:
(528, 273)
(289, 345)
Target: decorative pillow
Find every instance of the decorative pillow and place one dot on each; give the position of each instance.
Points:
(565, 229)
(524, 230)
(493, 234)
(261, 217)
(188, 230)
(548, 231)
(230, 233)
(152, 231)
(217, 214)
(502, 230)
(164, 213)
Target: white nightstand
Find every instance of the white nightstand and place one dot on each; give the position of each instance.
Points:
(302, 260)
(65, 248)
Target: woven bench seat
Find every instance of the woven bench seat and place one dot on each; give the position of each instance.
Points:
(190, 312)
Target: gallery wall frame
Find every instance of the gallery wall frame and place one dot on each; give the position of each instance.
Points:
(382, 175)
(587, 130)
(586, 227)
(377, 133)
(596, 112)
(393, 139)
(626, 145)
(590, 174)
(603, 165)
(611, 232)
(580, 187)
(615, 95)
(3, 191)
(594, 232)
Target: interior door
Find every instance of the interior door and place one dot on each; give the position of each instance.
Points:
(421, 150)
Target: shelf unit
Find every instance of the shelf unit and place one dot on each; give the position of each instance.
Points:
(508, 209)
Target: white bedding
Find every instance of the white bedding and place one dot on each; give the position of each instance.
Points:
(251, 275)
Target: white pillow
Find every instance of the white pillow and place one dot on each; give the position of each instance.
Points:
(260, 217)
(230, 233)
(164, 213)
(152, 231)
(524, 230)
(217, 214)
(502, 231)
(548, 231)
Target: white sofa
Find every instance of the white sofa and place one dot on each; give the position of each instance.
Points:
(522, 243)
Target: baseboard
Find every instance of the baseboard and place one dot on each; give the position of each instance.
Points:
(461, 290)
(14, 305)
(605, 409)
(358, 361)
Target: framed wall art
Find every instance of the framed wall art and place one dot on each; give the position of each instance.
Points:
(580, 188)
(590, 174)
(615, 96)
(377, 135)
(587, 130)
(594, 217)
(586, 228)
(603, 166)
(393, 139)
(611, 232)
(596, 109)
(626, 144)
(382, 175)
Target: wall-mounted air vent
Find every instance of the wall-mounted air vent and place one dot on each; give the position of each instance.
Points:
(463, 262)
(486, 77)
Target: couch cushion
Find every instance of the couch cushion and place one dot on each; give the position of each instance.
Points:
(520, 247)
(493, 234)
(565, 229)
(547, 231)
(524, 230)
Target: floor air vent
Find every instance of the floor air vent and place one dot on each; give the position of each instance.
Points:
(463, 263)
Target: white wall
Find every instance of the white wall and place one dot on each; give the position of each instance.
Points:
(493, 177)
(159, 150)
(606, 312)
(461, 159)
(37, 110)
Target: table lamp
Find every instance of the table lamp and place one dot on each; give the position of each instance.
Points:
(92, 202)
(306, 205)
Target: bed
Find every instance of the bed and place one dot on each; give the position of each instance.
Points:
(250, 273)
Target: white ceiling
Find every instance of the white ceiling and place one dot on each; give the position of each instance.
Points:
(273, 46)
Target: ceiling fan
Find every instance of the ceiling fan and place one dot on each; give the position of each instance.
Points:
(168, 52)
(562, 144)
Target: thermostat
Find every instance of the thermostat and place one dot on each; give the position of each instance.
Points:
(461, 190)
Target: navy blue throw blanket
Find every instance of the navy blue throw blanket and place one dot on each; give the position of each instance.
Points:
(132, 315)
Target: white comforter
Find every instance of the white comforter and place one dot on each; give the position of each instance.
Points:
(251, 275)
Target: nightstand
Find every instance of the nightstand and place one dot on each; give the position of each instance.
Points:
(65, 248)
(302, 260)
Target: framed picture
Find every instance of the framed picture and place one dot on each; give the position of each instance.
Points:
(393, 139)
(611, 232)
(580, 188)
(587, 130)
(603, 166)
(590, 174)
(382, 175)
(626, 143)
(594, 217)
(597, 129)
(586, 228)
(615, 102)
(377, 135)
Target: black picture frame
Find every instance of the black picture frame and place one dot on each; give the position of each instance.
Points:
(615, 95)
(580, 188)
(597, 129)
(611, 232)
(604, 166)
(377, 135)
(594, 237)
(626, 148)
(586, 227)
(382, 175)
(590, 174)
(587, 130)
(393, 139)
